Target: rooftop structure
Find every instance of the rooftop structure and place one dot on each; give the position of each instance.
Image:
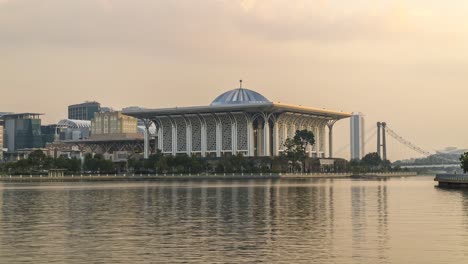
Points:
(240, 96)
(72, 123)
(4, 113)
(83, 111)
(22, 116)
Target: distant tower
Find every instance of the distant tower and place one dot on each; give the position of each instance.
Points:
(357, 135)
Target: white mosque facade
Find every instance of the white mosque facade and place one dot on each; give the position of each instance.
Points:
(237, 121)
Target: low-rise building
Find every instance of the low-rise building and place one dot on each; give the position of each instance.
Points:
(114, 135)
(69, 129)
(114, 125)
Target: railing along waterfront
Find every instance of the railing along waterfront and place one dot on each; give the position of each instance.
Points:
(141, 176)
(198, 176)
(460, 178)
(390, 174)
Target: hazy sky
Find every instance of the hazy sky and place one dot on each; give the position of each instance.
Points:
(404, 62)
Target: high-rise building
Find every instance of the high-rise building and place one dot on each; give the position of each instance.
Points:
(357, 135)
(22, 131)
(83, 111)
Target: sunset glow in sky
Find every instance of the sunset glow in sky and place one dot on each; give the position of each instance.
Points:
(403, 62)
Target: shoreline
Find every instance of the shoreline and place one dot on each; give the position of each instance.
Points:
(193, 177)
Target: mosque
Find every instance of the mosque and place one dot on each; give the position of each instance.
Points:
(237, 121)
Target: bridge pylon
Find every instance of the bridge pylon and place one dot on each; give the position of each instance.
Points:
(382, 146)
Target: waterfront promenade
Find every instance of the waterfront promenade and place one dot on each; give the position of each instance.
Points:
(184, 177)
(452, 180)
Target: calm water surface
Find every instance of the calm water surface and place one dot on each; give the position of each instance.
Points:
(404, 220)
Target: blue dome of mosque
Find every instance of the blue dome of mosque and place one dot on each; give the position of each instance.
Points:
(240, 96)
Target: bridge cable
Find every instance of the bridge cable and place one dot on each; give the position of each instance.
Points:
(405, 142)
(366, 141)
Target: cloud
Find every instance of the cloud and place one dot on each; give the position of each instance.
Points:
(220, 27)
(118, 22)
(156, 26)
(322, 20)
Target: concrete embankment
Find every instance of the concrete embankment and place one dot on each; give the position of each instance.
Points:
(132, 177)
(383, 175)
(192, 177)
(314, 175)
(452, 180)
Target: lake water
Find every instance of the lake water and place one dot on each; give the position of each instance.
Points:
(406, 220)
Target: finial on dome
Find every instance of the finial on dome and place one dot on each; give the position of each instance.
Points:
(240, 81)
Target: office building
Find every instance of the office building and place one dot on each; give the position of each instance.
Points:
(84, 111)
(357, 135)
(22, 131)
(112, 125)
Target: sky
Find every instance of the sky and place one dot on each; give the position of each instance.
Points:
(403, 62)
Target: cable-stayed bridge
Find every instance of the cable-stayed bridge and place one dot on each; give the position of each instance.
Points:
(391, 145)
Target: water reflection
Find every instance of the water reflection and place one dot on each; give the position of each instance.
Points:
(334, 221)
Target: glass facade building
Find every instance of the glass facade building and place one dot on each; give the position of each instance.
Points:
(84, 111)
(22, 131)
(48, 133)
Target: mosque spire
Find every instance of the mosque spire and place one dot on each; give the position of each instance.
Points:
(240, 84)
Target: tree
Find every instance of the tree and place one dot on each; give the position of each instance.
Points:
(464, 162)
(239, 163)
(292, 151)
(37, 159)
(71, 165)
(371, 160)
(134, 165)
(98, 164)
(304, 138)
(162, 165)
(150, 163)
(37, 156)
(196, 164)
(295, 148)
